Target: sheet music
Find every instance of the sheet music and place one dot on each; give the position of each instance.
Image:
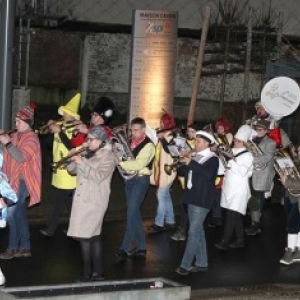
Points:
(174, 150)
(284, 162)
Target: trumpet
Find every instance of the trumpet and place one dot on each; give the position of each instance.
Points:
(44, 129)
(9, 132)
(63, 162)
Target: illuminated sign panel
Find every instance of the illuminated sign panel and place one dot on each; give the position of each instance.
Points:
(153, 60)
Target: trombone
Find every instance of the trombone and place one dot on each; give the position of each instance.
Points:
(64, 161)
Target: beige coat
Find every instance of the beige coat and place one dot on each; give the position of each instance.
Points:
(91, 197)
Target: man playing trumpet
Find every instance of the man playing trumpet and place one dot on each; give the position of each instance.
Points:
(200, 173)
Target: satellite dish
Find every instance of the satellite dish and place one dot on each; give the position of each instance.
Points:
(280, 97)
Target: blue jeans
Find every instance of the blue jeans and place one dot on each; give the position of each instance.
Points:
(19, 236)
(135, 190)
(196, 242)
(165, 212)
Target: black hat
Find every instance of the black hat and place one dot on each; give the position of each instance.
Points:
(105, 108)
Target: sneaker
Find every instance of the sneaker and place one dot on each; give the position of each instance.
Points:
(195, 269)
(8, 254)
(182, 271)
(121, 254)
(237, 244)
(215, 223)
(155, 228)
(296, 255)
(253, 230)
(222, 245)
(179, 235)
(3, 223)
(138, 253)
(23, 253)
(46, 233)
(288, 257)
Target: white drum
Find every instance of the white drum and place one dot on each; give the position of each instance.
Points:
(280, 96)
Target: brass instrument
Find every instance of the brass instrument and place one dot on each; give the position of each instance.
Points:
(44, 129)
(256, 151)
(9, 132)
(63, 162)
(291, 171)
(222, 145)
(122, 151)
(177, 162)
(172, 167)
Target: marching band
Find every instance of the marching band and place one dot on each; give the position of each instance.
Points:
(216, 170)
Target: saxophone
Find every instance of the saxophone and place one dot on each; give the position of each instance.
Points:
(122, 151)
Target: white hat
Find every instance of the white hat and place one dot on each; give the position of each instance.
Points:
(206, 136)
(244, 133)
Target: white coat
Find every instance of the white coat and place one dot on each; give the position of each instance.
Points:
(236, 189)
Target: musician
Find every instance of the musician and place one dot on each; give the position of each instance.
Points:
(63, 184)
(200, 174)
(291, 204)
(263, 173)
(236, 190)
(277, 134)
(22, 165)
(164, 218)
(101, 115)
(94, 172)
(180, 233)
(136, 188)
(222, 128)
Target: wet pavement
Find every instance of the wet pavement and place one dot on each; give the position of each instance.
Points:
(253, 270)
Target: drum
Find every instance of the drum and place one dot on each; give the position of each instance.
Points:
(280, 97)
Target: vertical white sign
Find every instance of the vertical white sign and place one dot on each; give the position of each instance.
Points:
(153, 61)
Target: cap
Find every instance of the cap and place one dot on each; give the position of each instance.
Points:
(26, 114)
(265, 124)
(206, 136)
(244, 133)
(104, 108)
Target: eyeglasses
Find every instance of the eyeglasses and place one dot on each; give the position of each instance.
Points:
(88, 139)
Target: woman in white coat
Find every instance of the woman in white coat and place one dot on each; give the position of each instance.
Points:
(236, 190)
(90, 202)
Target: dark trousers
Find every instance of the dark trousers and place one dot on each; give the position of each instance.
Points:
(292, 216)
(233, 223)
(60, 198)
